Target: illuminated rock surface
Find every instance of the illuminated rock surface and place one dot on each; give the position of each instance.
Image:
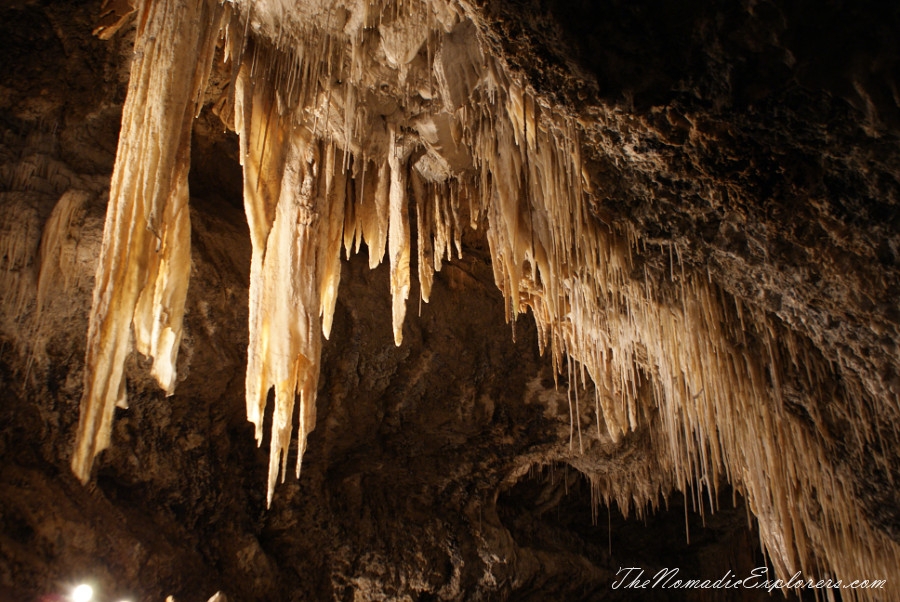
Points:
(697, 210)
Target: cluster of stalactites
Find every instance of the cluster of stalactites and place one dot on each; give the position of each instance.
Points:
(336, 131)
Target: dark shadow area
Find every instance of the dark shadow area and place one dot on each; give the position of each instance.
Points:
(718, 54)
(550, 513)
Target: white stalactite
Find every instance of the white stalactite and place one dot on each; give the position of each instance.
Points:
(329, 266)
(286, 196)
(398, 237)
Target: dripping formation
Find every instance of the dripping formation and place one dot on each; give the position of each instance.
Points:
(142, 276)
(340, 118)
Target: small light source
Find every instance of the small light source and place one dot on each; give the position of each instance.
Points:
(83, 593)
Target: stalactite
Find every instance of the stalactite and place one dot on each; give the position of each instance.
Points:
(398, 239)
(329, 266)
(295, 237)
(424, 222)
(373, 203)
(144, 263)
(56, 255)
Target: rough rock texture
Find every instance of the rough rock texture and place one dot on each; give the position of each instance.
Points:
(751, 143)
(760, 140)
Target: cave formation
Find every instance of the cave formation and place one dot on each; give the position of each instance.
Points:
(447, 300)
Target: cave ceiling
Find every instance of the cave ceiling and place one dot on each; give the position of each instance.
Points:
(447, 299)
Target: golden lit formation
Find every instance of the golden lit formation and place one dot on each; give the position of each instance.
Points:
(353, 114)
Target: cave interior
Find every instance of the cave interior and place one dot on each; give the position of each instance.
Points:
(419, 300)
